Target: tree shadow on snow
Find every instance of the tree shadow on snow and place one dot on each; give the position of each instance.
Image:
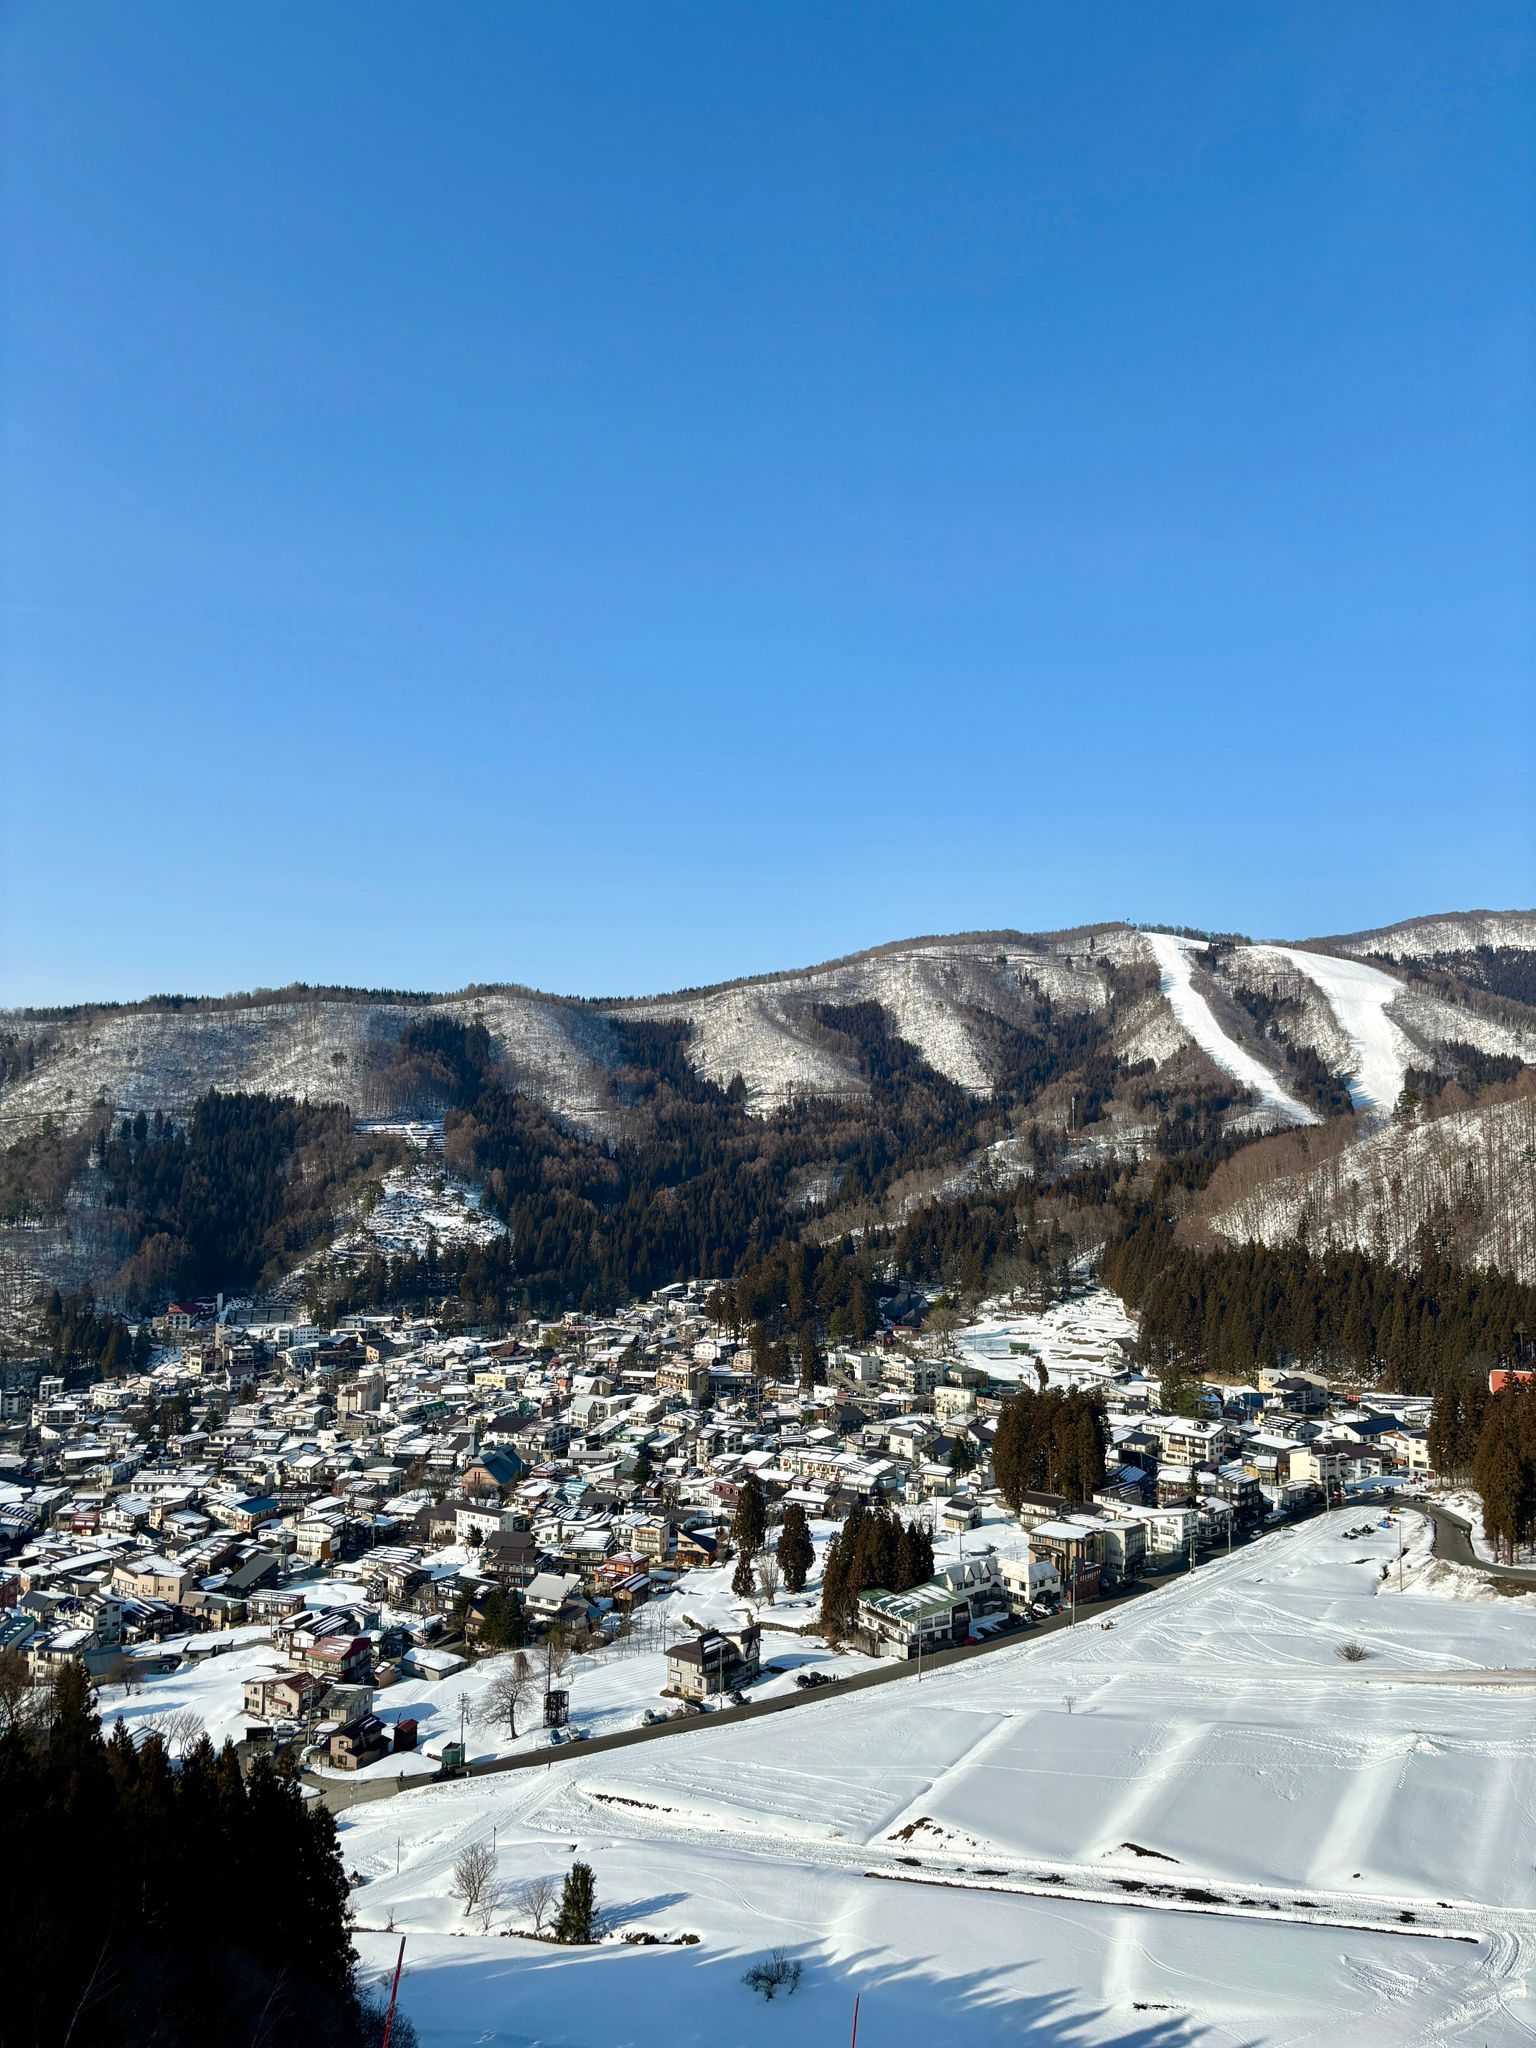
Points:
(620, 1914)
(526, 1996)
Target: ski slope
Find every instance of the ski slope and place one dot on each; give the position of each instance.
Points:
(1199, 1826)
(1175, 960)
(1359, 997)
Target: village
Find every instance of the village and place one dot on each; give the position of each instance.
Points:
(323, 1545)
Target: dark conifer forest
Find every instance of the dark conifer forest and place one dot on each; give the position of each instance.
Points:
(111, 1857)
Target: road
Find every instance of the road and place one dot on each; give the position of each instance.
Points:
(1453, 1542)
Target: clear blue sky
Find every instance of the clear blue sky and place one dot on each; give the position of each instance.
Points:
(618, 496)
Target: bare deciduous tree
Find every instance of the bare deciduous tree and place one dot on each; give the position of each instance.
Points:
(176, 1729)
(557, 1654)
(537, 1898)
(474, 1878)
(768, 1578)
(508, 1693)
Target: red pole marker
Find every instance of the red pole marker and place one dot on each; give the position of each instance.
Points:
(394, 1993)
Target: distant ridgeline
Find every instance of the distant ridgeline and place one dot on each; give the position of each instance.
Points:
(973, 1114)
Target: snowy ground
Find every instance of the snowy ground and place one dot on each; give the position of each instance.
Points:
(1075, 1340)
(1199, 1826)
(1176, 962)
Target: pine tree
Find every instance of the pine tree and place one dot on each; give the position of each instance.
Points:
(576, 1919)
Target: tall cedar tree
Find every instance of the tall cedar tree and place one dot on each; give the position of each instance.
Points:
(1050, 1442)
(797, 1551)
(1504, 1468)
(874, 1548)
(749, 1524)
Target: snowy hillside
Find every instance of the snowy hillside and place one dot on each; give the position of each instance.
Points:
(1473, 1171)
(1460, 931)
(1359, 997)
(958, 1001)
(938, 995)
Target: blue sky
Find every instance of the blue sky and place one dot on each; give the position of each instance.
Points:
(616, 497)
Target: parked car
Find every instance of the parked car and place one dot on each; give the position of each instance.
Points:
(736, 1697)
(807, 1679)
(654, 1716)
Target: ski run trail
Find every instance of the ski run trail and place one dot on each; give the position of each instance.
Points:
(1196, 1826)
(1359, 997)
(1176, 963)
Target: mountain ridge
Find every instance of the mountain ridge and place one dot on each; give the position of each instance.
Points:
(947, 995)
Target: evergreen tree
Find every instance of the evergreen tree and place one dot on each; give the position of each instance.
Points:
(810, 1358)
(576, 1920)
(158, 1965)
(796, 1549)
(749, 1524)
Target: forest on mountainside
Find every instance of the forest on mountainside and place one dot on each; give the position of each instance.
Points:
(704, 1188)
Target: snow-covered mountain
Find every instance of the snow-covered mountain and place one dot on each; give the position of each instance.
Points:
(1260, 1018)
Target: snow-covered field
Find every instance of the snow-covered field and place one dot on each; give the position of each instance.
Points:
(1199, 1826)
(1176, 963)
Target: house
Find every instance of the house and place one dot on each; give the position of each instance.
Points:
(936, 1614)
(1042, 1507)
(927, 1617)
(423, 1661)
(716, 1662)
(474, 1521)
(510, 1557)
(555, 1597)
(340, 1659)
(358, 1744)
(1125, 1544)
(1077, 1551)
(1028, 1581)
(151, 1577)
(494, 1471)
(287, 1697)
